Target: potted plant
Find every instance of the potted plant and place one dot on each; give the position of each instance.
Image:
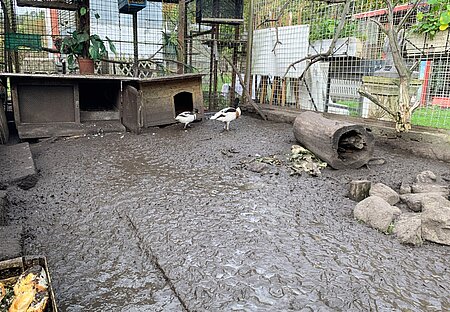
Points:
(74, 47)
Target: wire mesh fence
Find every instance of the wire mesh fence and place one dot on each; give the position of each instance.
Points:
(286, 32)
(31, 39)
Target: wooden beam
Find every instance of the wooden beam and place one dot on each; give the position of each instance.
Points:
(48, 4)
(283, 92)
(262, 98)
(181, 36)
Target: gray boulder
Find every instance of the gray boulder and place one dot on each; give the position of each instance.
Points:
(376, 212)
(408, 229)
(415, 202)
(405, 188)
(385, 192)
(436, 221)
(430, 188)
(426, 177)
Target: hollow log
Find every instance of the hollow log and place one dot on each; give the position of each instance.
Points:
(339, 143)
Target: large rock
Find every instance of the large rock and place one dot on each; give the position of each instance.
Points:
(376, 212)
(426, 177)
(385, 192)
(408, 229)
(405, 188)
(415, 202)
(430, 188)
(436, 221)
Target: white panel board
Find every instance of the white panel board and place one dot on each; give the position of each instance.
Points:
(293, 46)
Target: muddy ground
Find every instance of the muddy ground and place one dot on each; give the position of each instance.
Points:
(167, 221)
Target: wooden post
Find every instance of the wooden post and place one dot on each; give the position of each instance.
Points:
(283, 91)
(262, 99)
(211, 64)
(272, 92)
(135, 45)
(248, 63)
(181, 36)
(327, 96)
(296, 92)
(235, 61)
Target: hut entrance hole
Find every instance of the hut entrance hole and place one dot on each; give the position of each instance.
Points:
(183, 102)
(351, 145)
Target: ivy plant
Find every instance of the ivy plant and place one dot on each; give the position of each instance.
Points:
(433, 17)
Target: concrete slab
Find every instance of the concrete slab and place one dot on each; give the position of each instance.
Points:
(3, 208)
(17, 166)
(11, 241)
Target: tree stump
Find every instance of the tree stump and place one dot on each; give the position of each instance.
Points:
(339, 143)
(359, 190)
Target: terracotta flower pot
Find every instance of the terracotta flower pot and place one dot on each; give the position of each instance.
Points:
(86, 66)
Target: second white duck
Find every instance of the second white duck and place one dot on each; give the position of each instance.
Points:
(228, 114)
(187, 117)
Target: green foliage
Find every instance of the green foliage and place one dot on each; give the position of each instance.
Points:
(326, 28)
(353, 107)
(170, 43)
(73, 46)
(433, 116)
(435, 17)
(390, 229)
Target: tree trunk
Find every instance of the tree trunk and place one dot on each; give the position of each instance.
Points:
(403, 123)
(340, 144)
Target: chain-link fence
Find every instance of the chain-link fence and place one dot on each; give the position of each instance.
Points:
(288, 31)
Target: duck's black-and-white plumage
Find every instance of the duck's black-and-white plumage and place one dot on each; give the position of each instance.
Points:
(187, 117)
(228, 114)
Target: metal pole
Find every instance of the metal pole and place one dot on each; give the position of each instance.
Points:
(136, 46)
(248, 65)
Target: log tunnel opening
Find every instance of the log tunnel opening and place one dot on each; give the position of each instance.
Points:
(351, 144)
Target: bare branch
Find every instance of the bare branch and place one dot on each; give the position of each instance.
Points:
(416, 63)
(408, 14)
(341, 25)
(380, 26)
(363, 91)
(321, 56)
(280, 14)
(277, 41)
(415, 103)
(247, 92)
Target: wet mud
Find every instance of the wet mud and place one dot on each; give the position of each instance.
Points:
(169, 221)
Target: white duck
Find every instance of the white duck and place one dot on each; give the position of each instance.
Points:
(187, 117)
(228, 114)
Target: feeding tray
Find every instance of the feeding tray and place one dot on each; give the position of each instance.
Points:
(11, 269)
(131, 6)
